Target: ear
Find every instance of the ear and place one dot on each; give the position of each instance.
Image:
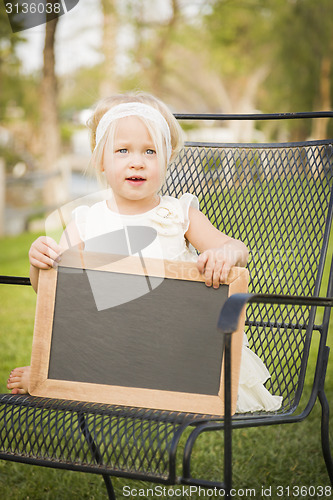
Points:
(99, 167)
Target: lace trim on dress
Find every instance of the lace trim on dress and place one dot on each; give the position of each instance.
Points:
(252, 394)
(171, 212)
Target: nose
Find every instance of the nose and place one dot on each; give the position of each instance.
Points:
(136, 161)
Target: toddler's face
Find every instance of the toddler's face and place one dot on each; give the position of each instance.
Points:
(131, 165)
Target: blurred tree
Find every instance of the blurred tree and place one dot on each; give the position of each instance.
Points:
(213, 55)
(274, 55)
(108, 83)
(153, 32)
(168, 53)
(301, 78)
(19, 96)
(85, 79)
(49, 126)
(158, 49)
(239, 41)
(9, 63)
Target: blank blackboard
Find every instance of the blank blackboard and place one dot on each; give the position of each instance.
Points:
(158, 347)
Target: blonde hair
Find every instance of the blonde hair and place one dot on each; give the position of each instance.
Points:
(104, 105)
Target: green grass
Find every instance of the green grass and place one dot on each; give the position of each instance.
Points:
(288, 455)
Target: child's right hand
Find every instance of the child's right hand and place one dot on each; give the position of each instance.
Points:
(44, 253)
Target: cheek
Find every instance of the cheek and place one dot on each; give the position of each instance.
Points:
(158, 177)
(161, 174)
(110, 173)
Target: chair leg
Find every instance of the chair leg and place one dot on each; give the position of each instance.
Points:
(325, 438)
(95, 452)
(109, 487)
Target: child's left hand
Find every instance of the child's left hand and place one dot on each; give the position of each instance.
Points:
(215, 265)
(219, 252)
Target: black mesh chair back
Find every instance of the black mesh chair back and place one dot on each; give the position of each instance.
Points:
(277, 199)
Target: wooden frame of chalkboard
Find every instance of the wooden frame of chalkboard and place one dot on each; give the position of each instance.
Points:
(155, 348)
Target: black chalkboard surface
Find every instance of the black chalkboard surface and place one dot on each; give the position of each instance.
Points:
(155, 346)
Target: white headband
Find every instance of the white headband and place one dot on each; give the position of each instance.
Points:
(135, 109)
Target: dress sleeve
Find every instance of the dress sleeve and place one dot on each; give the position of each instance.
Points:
(80, 218)
(188, 200)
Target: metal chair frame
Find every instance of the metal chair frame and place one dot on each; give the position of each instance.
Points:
(142, 443)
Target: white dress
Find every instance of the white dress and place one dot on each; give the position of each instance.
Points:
(170, 220)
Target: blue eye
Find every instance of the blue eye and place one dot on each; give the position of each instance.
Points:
(150, 152)
(122, 150)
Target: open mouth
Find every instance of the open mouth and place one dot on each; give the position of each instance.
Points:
(135, 179)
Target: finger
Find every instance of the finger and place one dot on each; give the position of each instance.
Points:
(48, 241)
(47, 246)
(216, 276)
(43, 257)
(225, 273)
(51, 248)
(41, 262)
(53, 255)
(52, 243)
(201, 262)
(40, 255)
(209, 271)
(55, 250)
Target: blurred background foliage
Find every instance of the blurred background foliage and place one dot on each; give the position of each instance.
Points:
(217, 56)
(223, 56)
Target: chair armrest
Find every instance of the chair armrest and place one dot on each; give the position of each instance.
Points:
(14, 280)
(232, 308)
